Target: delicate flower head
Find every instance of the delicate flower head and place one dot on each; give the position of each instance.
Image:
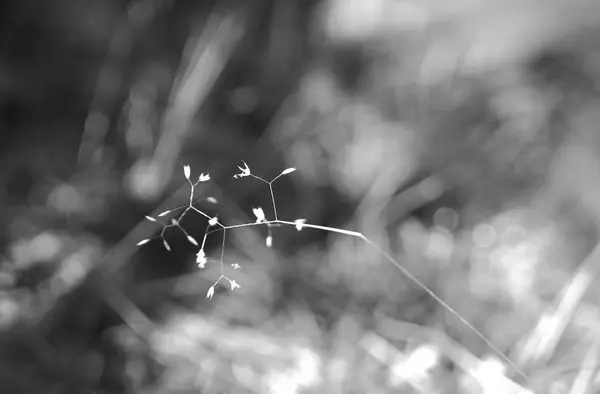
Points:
(201, 258)
(260, 214)
(269, 241)
(187, 171)
(235, 266)
(288, 170)
(192, 240)
(166, 245)
(234, 284)
(213, 221)
(143, 242)
(299, 223)
(245, 171)
(210, 293)
(203, 177)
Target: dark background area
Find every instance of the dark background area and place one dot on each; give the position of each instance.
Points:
(461, 138)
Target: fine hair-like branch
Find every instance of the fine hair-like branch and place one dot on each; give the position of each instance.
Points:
(214, 225)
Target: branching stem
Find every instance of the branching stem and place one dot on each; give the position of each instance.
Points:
(215, 226)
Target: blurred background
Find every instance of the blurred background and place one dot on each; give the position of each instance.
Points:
(459, 136)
